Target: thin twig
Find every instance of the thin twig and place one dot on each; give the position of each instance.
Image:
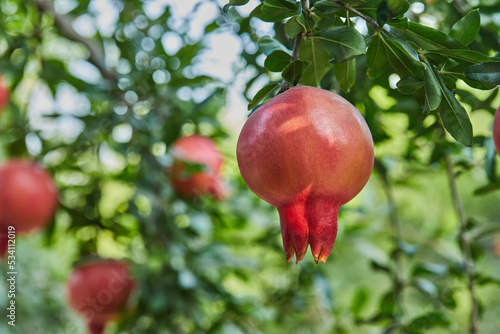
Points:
(369, 20)
(296, 46)
(64, 22)
(464, 245)
(397, 239)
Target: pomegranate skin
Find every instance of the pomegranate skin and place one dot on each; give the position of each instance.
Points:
(496, 131)
(307, 151)
(4, 95)
(196, 168)
(28, 196)
(99, 290)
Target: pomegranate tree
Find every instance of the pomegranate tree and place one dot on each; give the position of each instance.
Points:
(28, 198)
(496, 131)
(4, 95)
(99, 290)
(307, 151)
(196, 168)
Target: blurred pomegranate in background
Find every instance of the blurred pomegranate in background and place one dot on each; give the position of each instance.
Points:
(496, 130)
(28, 198)
(196, 168)
(99, 291)
(4, 95)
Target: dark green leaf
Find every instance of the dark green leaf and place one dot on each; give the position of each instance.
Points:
(486, 72)
(268, 44)
(277, 61)
(275, 10)
(343, 43)
(375, 57)
(359, 301)
(401, 57)
(409, 85)
(429, 268)
(425, 322)
(345, 74)
(293, 71)
(434, 36)
(314, 52)
(432, 91)
(388, 9)
(490, 164)
(388, 304)
(262, 93)
(328, 7)
(454, 117)
(484, 190)
(466, 29)
(293, 27)
(469, 56)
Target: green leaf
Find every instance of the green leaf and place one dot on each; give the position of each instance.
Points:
(275, 10)
(328, 7)
(375, 57)
(314, 52)
(359, 301)
(490, 163)
(268, 44)
(293, 27)
(388, 304)
(454, 117)
(426, 322)
(466, 29)
(409, 85)
(262, 93)
(432, 91)
(401, 57)
(434, 36)
(469, 56)
(345, 74)
(485, 72)
(484, 190)
(293, 71)
(343, 43)
(234, 3)
(277, 61)
(388, 9)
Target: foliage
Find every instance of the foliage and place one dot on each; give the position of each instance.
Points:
(413, 69)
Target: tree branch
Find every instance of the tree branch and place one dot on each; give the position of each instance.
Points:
(64, 22)
(296, 46)
(369, 20)
(464, 245)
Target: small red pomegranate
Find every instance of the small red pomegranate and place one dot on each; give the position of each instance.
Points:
(307, 151)
(496, 130)
(196, 168)
(4, 95)
(28, 198)
(99, 290)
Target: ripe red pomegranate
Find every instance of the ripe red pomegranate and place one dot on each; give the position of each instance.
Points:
(496, 130)
(99, 290)
(196, 168)
(307, 151)
(4, 95)
(28, 198)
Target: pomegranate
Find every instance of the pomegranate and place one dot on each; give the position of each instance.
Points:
(196, 168)
(99, 290)
(4, 95)
(496, 130)
(28, 198)
(306, 151)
